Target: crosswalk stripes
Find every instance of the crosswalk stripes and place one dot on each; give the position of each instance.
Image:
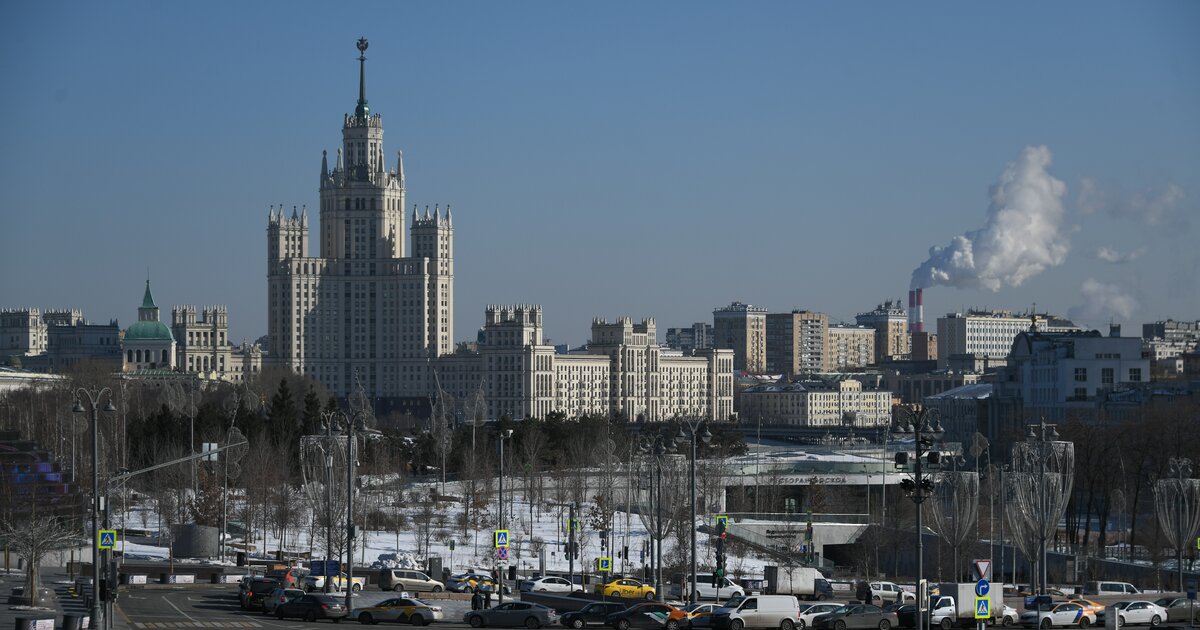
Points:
(170, 625)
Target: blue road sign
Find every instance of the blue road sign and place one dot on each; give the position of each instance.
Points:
(983, 608)
(108, 539)
(501, 538)
(981, 588)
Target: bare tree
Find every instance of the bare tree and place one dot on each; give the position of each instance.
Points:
(32, 540)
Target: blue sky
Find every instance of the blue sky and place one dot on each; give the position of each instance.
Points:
(606, 159)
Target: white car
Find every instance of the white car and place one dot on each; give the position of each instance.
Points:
(809, 611)
(1140, 612)
(887, 591)
(551, 584)
(1008, 616)
(1064, 614)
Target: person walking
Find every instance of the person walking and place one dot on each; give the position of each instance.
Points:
(476, 599)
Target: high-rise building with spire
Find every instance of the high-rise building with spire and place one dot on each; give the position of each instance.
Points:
(362, 308)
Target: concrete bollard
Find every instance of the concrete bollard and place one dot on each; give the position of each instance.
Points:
(35, 623)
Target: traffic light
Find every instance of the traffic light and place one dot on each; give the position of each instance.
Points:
(720, 546)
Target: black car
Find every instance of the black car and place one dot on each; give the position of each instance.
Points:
(591, 614)
(312, 607)
(251, 597)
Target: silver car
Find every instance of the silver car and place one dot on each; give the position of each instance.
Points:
(512, 615)
(279, 596)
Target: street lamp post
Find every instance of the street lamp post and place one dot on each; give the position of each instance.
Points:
(353, 423)
(505, 434)
(328, 417)
(94, 396)
(657, 448)
(925, 430)
(692, 435)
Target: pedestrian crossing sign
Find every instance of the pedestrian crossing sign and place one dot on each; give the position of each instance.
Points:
(722, 521)
(501, 538)
(107, 539)
(983, 608)
(603, 565)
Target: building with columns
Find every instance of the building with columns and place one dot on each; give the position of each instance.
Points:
(623, 371)
(368, 307)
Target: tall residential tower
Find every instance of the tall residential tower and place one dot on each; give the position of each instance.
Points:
(362, 308)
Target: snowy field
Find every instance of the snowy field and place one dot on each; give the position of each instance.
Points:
(536, 532)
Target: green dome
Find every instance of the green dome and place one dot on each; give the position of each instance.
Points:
(148, 331)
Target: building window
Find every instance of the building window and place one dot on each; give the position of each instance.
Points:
(1081, 374)
(1106, 376)
(1080, 393)
(130, 356)
(1135, 375)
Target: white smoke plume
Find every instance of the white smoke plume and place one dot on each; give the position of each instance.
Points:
(1116, 257)
(1022, 237)
(1101, 302)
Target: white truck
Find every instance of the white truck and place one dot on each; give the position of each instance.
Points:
(954, 606)
(803, 582)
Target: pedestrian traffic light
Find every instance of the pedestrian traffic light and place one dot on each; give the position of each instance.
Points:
(720, 547)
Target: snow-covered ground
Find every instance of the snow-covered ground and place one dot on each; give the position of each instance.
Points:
(536, 531)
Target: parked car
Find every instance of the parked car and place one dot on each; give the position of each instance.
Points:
(1178, 609)
(408, 580)
(401, 609)
(855, 616)
(466, 582)
(1062, 614)
(758, 611)
(256, 589)
(1010, 616)
(699, 615)
(703, 588)
(810, 611)
(592, 614)
(278, 596)
(649, 615)
(313, 606)
(626, 587)
(1026, 591)
(906, 614)
(317, 582)
(887, 592)
(1139, 612)
(1091, 606)
(550, 584)
(512, 615)
(1110, 588)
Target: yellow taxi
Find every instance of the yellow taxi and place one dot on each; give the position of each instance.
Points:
(627, 588)
(1089, 606)
(402, 609)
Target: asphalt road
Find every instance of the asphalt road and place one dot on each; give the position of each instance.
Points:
(217, 607)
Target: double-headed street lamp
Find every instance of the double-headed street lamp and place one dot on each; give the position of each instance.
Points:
(94, 396)
(925, 431)
(693, 434)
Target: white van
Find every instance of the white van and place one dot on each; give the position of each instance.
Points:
(758, 611)
(705, 590)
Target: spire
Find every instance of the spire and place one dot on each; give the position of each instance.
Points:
(147, 299)
(294, 215)
(304, 213)
(447, 214)
(324, 164)
(415, 215)
(339, 166)
(400, 167)
(362, 110)
(426, 212)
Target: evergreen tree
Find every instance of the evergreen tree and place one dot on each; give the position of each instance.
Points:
(282, 416)
(312, 413)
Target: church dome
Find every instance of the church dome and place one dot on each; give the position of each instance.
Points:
(148, 331)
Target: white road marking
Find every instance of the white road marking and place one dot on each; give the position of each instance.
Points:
(177, 609)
